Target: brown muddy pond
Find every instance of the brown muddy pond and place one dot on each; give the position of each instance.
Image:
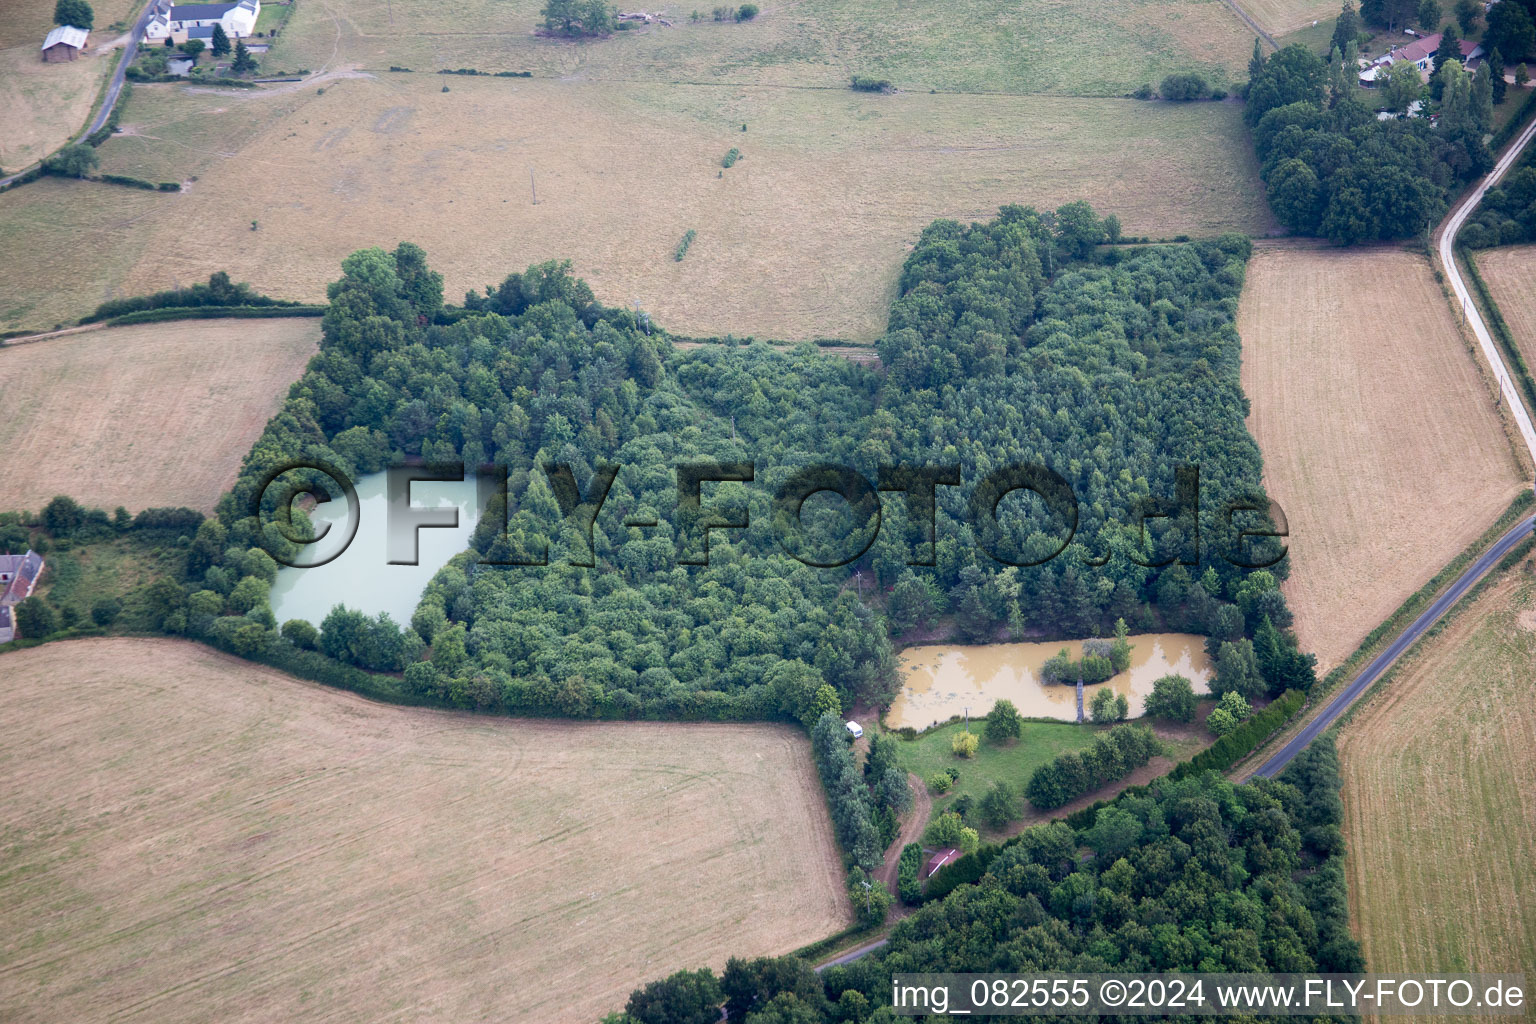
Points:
(942, 680)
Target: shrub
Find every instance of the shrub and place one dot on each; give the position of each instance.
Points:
(939, 782)
(683, 244)
(35, 619)
(105, 611)
(868, 83)
(1172, 698)
(999, 806)
(869, 896)
(909, 886)
(1143, 92)
(964, 743)
(1109, 706)
(746, 12)
(1185, 87)
(1003, 722)
(1112, 756)
(73, 161)
(731, 157)
(301, 634)
(949, 829)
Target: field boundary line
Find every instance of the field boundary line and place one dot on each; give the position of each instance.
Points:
(1247, 20)
(1383, 635)
(1496, 576)
(1499, 325)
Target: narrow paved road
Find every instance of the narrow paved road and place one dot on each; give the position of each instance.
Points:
(1489, 558)
(852, 955)
(1405, 640)
(1474, 318)
(114, 89)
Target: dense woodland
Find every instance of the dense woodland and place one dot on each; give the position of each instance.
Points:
(1012, 342)
(1333, 170)
(1197, 874)
(1507, 214)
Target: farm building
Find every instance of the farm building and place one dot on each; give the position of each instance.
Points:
(1421, 54)
(174, 24)
(18, 575)
(64, 43)
(939, 859)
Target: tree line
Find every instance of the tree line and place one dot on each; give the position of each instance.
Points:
(1195, 874)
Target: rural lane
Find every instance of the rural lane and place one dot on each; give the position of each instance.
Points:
(1474, 317)
(1489, 558)
(1405, 640)
(114, 88)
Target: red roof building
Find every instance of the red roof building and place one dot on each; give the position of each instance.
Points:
(939, 859)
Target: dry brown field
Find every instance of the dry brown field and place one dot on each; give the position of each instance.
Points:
(190, 837)
(42, 106)
(803, 238)
(1381, 439)
(144, 416)
(1439, 811)
(1280, 17)
(1510, 272)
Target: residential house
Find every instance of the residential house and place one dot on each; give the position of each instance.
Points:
(1421, 54)
(18, 575)
(64, 43)
(173, 24)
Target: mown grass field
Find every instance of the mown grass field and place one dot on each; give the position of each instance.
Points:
(1086, 48)
(1015, 761)
(1440, 816)
(1381, 440)
(1283, 17)
(802, 238)
(150, 415)
(189, 838)
(1510, 272)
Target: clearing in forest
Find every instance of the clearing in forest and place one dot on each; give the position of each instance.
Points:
(145, 416)
(190, 837)
(1381, 439)
(1439, 812)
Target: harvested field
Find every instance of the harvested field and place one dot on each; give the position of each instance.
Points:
(1086, 48)
(802, 239)
(190, 837)
(1281, 17)
(143, 416)
(1511, 276)
(1439, 810)
(69, 245)
(43, 105)
(1381, 439)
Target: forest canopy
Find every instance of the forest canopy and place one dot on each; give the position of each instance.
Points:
(1013, 342)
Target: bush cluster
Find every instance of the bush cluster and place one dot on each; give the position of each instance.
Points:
(1113, 755)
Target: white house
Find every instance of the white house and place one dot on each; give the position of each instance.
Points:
(173, 24)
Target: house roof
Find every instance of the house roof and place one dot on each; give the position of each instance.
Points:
(200, 12)
(939, 859)
(68, 35)
(1418, 49)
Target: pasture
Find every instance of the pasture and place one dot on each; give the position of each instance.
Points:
(1439, 815)
(1283, 17)
(1087, 48)
(43, 105)
(802, 238)
(1380, 436)
(190, 837)
(143, 416)
(1509, 272)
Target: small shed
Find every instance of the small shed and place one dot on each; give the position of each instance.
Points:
(855, 729)
(939, 859)
(64, 43)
